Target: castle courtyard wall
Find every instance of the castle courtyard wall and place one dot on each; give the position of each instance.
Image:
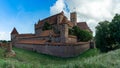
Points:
(56, 50)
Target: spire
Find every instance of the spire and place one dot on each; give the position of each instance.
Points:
(14, 31)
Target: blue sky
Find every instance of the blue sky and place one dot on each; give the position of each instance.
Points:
(22, 14)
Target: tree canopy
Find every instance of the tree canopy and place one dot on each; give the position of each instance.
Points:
(108, 34)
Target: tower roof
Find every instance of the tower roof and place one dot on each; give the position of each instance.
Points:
(14, 31)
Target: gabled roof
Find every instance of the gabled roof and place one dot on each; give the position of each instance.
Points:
(26, 35)
(53, 20)
(83, 26)
(66, 21)
(14, 31)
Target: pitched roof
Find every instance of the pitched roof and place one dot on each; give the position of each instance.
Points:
(32, 41)
(66, 21)
(83, 26)
(26, 35)
(14, 31)
(53, 19)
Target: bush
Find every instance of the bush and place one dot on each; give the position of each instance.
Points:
(46, 26)
(82, 35)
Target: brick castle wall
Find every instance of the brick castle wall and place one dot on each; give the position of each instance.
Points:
(56, 50)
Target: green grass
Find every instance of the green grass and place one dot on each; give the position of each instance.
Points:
(89, 59)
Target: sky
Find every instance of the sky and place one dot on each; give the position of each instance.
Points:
(23, 14)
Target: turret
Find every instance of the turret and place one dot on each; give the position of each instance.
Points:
(73, 18)
(14, 33)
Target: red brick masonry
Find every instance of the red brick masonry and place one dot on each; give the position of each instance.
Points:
(57, 49)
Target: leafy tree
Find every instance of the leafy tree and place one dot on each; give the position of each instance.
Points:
(47, 26)
(82, 35)
(102, 37)
(3, 41)
(108, 34)
(115, 29)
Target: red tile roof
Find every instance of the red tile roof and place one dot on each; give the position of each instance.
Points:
(14, 31)
(83, 26)
(53, 19)
(32, 42)
(26, 35)
(66, 21)
(43, 42)
(43, 34)
(50, 20)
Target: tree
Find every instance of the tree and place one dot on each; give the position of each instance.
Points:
(47, 26)
(102, 37)
(108, 34)
(82, 35)
(115, 29)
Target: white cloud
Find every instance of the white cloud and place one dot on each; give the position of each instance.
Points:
(57, 7)
(4, 35)
(91, 11)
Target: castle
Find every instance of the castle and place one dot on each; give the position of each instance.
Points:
(47, 38)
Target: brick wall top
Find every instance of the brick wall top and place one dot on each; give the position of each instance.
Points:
(54, 44)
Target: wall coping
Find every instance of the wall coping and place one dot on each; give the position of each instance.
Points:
(59, 44)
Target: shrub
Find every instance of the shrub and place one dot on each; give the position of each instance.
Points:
(46, 26)
(82, 35)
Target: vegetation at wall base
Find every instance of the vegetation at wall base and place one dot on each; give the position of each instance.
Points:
(90, 59)
(108, 34)
(82, 35)
(30, 59)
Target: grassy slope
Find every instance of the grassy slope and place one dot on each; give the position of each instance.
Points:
(89, 59)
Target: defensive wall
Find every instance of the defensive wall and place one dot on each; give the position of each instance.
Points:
(57, 49)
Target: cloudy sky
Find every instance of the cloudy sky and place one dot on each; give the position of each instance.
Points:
(23, 14)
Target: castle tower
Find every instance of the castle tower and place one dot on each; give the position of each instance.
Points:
(64, 33)
(60, 17)
(14, 33)
(38, 30)
(73, 18)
